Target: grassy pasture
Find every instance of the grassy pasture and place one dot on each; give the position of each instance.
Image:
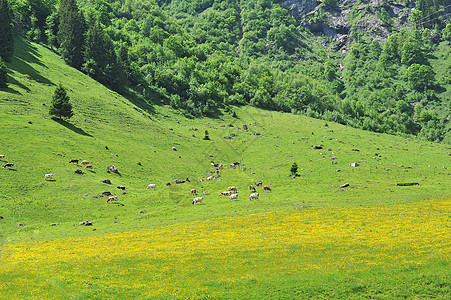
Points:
(300, 240)
(325, 252)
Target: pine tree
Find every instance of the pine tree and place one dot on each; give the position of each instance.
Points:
(294, 169)
(61, 107)
(71, 33)
(100, 59)
(6, 31)
(3, 74)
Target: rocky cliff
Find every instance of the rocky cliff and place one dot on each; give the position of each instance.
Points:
(376, 18)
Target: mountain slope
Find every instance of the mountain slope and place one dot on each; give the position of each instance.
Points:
(108, 129)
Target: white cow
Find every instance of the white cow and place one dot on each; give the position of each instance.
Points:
(198, 200)
(233, 196)
(253, 196)
(151, 186)
(48, 176)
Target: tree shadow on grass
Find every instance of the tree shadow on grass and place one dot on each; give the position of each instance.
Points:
(24, 55)
(71, 127)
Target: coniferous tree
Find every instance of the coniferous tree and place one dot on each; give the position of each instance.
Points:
(6, 31)
(71, 33)
(100, 59)
(3, 74)
(61, 107)
(294, 169)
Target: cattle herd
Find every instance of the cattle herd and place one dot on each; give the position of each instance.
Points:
(232, 191)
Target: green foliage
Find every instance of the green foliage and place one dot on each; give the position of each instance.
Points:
(71, 32)
(6, 32)
(51, 29)
(61, 106)
(420, 77)
(411, 53)
(446, 33)
(99, 55)
(3, 74)
(294, 169)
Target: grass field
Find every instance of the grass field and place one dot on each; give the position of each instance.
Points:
(308, 238)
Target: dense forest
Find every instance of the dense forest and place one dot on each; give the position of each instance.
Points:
(205, 56)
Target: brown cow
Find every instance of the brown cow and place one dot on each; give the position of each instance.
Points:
(88, 166)
(267, 188)
(225, 193)
(254, 196)
(112, 198)
(73, 160)
(85, 162)
(233, 196)
(193, 192)
(252, 188)
(232, 188)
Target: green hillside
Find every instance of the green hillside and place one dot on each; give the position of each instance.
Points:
(377, 66)
(108, 129)
(308, 238)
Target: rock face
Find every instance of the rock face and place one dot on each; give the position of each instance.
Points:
(336, 21)
(298, 8)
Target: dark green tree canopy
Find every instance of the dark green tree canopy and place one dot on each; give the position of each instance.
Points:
(6, 31)
(71, 33)
(294, 169)
(61, 107)
(3, 74)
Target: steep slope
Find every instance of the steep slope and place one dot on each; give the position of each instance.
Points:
(138, 139)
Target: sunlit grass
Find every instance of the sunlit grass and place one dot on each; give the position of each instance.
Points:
(218, 257)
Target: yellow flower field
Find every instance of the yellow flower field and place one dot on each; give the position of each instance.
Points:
(191, 259)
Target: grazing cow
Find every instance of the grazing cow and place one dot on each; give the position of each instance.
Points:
(198, 200)
(106, 193)
(48, 176)
(112, 198)
(78, 171)
(220, 166)
(151, 186)
(107, 181)
(233, 196)
(252, 188)
(217, 171)
(254, 196)
(178, 181)
(209, 178)
(258, 183)
(267, 188)
(8, 165)
(225, 193)
(88, 166)
(173, 148)
(85, 162)
(193, 192)
(2, 156)
(121, 187)
(168, 183)
(112, 168)
(73, 160)
(232, 188)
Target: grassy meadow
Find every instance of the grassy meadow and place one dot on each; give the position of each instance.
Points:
(308, 238)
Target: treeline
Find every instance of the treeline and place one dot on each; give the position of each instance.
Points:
(205, 56)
